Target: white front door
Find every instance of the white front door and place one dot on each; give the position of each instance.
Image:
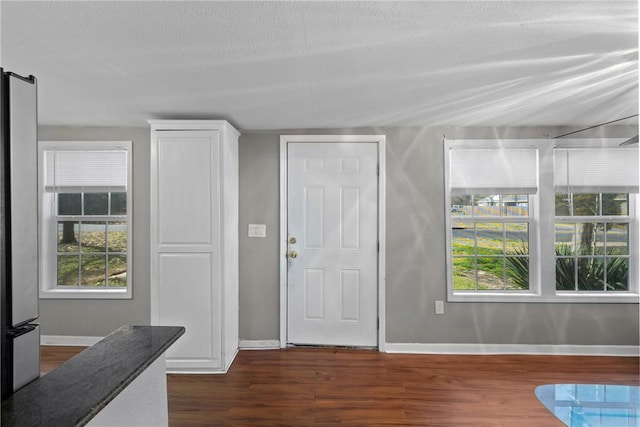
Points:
(332, 214)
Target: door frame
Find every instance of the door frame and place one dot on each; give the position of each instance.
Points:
(380, 140)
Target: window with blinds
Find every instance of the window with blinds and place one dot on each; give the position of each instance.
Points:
(490, 193)
(594, 191)
(516, 207)
(86, 201)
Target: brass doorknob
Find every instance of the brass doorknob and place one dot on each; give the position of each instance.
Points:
(293, 254)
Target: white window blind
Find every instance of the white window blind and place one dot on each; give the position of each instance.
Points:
(596, 170)
(493, 170)
(86, 171)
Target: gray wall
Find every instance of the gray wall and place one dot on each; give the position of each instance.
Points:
(415, 255)
(100, 317)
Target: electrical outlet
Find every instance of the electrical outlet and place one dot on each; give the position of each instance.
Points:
(439, 307)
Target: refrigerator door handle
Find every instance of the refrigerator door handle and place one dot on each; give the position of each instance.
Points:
(21, 330)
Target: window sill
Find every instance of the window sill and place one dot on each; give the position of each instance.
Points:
(85, 293)
(560, 297)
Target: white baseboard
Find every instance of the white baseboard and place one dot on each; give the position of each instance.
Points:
(68, 340)
(413, 348)
(259, 344)
(480, 349)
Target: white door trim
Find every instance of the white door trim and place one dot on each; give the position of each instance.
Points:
(381, 141)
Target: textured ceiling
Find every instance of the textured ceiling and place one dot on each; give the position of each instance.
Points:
(277, 65)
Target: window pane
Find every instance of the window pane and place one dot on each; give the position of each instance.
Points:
(565, 234)
(615, 204)
(93, 236)
(117, 237)
(617, 274)
(461, 205)
(617, 239)
(591, 274)
(464, 276)
(118, 203)
(518, 272)
(117, 273)
(490, 273)
(517, 243)
(598, 239)
(565, 274)
(515, 204)
(517, 238)
(92, 270)
(587, 204)
(490, 238)
(69, 204)
(563, 204)
(457, 210)
(462, 238)
(67, 236)
(486, 205)
(68, 270)
(96, 203)
(585, 238)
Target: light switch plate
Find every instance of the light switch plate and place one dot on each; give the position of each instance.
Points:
(257, 230)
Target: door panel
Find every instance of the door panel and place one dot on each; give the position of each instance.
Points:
(350, 295)
(350, 218)
(314, 294)
(332, 288)
(186, 196)
(183, 302)
(314, 217)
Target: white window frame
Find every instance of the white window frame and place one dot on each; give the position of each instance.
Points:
(47, 230)
(541, 232)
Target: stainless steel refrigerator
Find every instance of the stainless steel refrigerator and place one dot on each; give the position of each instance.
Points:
(20, 341)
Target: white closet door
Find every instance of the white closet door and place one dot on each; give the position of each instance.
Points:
(185, 246)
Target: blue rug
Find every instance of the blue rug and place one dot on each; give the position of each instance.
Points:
(592, 405)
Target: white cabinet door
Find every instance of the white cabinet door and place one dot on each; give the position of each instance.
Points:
(189, 284)
(187, 188)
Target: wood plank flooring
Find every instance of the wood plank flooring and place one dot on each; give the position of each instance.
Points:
(324, 386)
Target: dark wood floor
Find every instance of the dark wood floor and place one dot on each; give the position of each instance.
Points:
(303, 386)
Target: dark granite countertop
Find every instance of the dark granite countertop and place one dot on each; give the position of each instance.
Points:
(77, 390)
